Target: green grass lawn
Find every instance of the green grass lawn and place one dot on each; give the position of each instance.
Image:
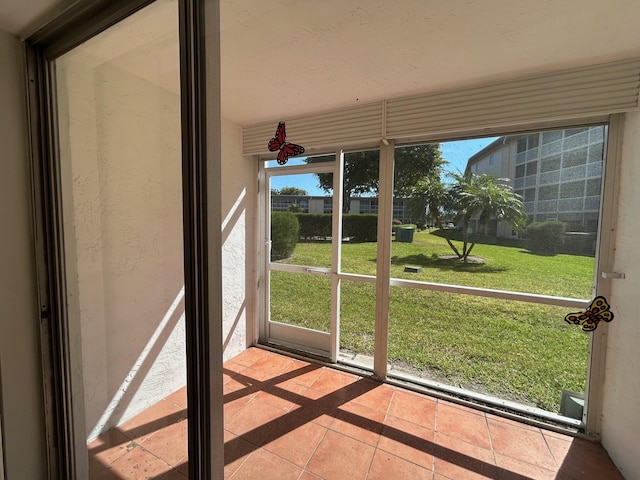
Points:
(515, 350)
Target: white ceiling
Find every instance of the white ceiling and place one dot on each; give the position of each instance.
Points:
(24, 17)
(285, 57)
(282, 58)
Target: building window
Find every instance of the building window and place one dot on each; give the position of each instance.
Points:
(522, 145)
(368, 205)
(553, 136)
(549, 192)
(550, 163)
(401, 211)
(284, 203)
(532, 168)
(529, 195)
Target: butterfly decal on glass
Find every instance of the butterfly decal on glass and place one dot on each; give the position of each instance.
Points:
(597, 311)
(285, 149)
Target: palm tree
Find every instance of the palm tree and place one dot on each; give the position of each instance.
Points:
(481, 197)
(430, 195)
(484, 197)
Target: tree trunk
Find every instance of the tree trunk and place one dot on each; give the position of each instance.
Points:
(465, 238)
(346, 201)
(446, 235)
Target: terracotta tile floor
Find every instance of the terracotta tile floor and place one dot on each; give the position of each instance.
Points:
(289, 419)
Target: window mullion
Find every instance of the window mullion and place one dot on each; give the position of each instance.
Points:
(383, 274)
(336, 246)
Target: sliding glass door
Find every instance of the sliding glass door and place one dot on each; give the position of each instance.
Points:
(119, 136)
(121, 181)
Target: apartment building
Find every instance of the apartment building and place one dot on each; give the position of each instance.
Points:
(558, 174)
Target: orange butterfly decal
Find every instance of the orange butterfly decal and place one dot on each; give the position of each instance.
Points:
(285, 149)
(597, 311)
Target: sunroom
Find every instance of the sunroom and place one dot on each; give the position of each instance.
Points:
(157, 203)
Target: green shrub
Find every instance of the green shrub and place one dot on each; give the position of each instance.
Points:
(314, 225)
(579, 243)
(360, 227)
(285, 232)
(545, 238)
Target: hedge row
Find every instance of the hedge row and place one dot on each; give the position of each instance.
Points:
(313, 225)
(545, 238)
(579, 243)
(358, 227)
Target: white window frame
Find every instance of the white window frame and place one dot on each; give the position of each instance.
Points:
(604, 258)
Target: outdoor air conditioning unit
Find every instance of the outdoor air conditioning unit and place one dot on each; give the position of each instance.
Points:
(572, 404)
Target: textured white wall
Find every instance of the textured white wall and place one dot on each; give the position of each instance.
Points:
(21, 401)
(621, 416)
(238, 236)
(122, 181)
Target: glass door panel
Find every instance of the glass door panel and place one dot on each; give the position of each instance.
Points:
(360, 212)
(359, 253)
(302, 282)
(119, 135)
(357, 322)
(300, 299)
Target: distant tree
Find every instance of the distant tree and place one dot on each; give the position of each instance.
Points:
(413, 164)
(360, 175)
(361, 171)
(289, 191)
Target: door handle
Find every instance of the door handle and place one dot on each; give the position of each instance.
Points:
(318, 271)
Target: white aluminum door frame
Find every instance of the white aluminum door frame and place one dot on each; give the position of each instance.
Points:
(316, 342)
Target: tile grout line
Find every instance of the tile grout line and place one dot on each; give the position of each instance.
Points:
(244, 461)
(376, 446)
(546, 442)
(304, 469)
(493, 451)
(435, 437)
(326, 430)
(555, 470)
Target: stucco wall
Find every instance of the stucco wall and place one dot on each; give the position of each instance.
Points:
(121, 172)
(21, 394)
(621, 416)
(238, 236)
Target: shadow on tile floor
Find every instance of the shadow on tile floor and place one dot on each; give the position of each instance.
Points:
(290, 419)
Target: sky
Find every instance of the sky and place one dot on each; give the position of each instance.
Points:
(456, 153)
